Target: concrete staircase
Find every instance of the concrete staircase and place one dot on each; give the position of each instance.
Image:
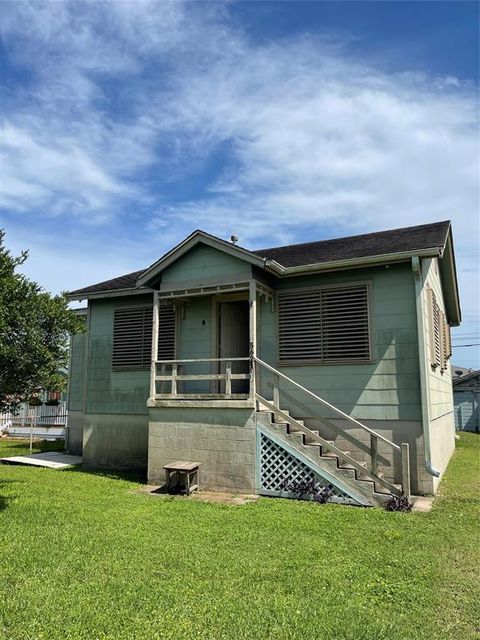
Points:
(339, 468)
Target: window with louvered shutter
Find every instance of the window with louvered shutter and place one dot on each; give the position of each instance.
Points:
(345, 324)
(329, 325)
(166, 332)
(132, 336)
(442, 323)
(447, 341)
(435, 329)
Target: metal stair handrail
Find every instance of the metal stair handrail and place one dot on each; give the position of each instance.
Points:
(374, 436)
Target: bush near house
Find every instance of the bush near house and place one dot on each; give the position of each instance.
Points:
(84, 556)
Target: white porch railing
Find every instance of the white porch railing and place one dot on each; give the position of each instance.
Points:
(171, 378)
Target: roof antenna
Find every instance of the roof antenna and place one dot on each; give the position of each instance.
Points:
(234, 239)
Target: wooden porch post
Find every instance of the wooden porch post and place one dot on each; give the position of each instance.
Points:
(405, 470)
(153, 368)
(252, 298)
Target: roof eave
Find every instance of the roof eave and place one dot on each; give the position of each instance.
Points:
(465, 377)
(109, 293)
(351, 263)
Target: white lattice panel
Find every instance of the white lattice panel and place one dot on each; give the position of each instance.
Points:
(279, 470)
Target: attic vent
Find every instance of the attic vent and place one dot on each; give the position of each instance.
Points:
(328, 325)
(132, 336)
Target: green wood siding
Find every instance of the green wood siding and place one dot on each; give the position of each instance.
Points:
(386, 389)
(194, 330)
(389, 387)
(112, 391)
(77, 372)
(204, 265)
(439, 382)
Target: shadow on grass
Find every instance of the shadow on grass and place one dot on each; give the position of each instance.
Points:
(112, 474)
(17, 446)
(4, 500)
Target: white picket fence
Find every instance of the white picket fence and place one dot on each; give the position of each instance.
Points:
(43, 421)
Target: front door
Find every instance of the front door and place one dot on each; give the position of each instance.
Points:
(233, 332)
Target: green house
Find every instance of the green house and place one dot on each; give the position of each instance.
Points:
(324, 362)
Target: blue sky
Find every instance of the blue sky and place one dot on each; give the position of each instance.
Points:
(124, 126)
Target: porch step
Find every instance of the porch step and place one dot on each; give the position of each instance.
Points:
(331, 454)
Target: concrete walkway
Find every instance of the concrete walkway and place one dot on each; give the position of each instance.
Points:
(50, 459)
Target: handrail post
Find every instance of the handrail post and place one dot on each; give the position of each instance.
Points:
(374, 453)
(228, 378)
(174, 379)
(252, 371)
(276, 391)
(163, 371)
(405, 469)
(252, 299)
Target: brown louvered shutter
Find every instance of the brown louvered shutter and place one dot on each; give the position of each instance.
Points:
(299, 326)
(345, 324)
(442, 323)
(132, 336)
(448, 341)
(435, 329)
(166, 332)
(132, 328)
(324, 325)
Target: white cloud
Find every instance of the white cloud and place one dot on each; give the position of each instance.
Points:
(59, 176)
(331, 142)
(315, 138)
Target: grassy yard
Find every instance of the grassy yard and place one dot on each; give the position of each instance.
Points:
(85, 557)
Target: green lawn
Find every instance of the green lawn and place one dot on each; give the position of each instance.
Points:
(83, 556)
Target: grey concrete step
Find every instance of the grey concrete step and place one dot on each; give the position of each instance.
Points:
(365, 477)
(384, 490)
(297, 436)
(346, 473)
(331, 454)
(366, 486)
(293, 426)
(312, 445)
(347, 465)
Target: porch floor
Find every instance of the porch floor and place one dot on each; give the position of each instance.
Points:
(50, 459)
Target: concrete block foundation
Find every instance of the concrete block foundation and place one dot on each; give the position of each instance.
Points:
(223, 441)
(75, 432)
(115, 441)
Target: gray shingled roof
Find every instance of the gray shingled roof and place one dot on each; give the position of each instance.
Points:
(424, 236)
(127, 281)
(416, 238)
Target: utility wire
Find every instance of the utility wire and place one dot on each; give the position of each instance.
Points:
(459, 346)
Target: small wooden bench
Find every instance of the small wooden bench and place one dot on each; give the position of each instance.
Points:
(181, 468)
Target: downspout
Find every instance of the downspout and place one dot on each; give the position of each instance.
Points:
(423, 363)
